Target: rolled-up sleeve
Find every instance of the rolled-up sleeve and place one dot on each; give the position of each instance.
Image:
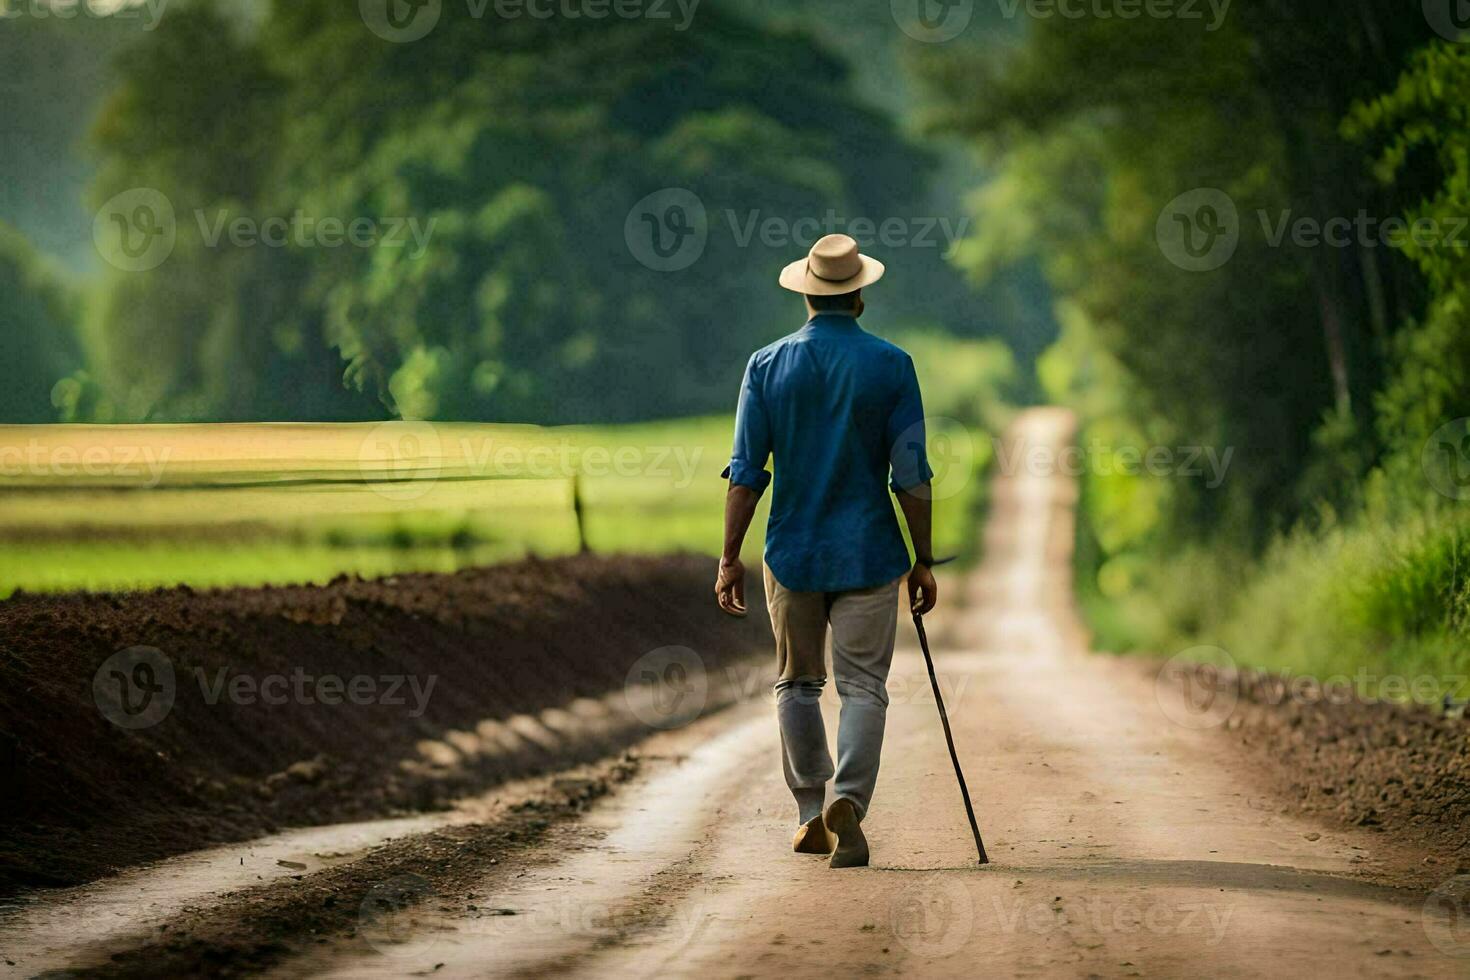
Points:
(752, 437)
(908, 454)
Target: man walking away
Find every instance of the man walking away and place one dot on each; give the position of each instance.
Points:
(840, 411)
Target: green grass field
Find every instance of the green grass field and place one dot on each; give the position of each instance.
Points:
(129, 507)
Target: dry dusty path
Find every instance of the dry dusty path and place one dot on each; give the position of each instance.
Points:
(1123, 844)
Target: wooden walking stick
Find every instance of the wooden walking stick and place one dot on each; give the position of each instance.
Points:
(949, 737)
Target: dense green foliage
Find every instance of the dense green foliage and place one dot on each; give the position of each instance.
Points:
(1421, 132)
(518, 148)
(36, 339)
(1323, 365)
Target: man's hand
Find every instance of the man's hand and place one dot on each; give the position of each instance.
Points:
(740, 504)
(923, 592)
(918, 512)
(730, 586)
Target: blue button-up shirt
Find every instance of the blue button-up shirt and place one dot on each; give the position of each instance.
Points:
(839, 409)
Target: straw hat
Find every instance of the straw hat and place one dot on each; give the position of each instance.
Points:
(833, 267)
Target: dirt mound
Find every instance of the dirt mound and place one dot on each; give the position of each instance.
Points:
(141, 725)
(1400, 769)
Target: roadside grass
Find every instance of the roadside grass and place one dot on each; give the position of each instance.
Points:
(133, 507)
(1380, 599)
(1381, 605)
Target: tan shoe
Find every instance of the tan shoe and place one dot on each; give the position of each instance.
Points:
(812, 838)
(852, 846)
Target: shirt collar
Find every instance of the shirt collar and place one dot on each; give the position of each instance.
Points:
(839, 320)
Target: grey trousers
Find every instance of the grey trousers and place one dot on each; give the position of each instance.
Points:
(863, 624)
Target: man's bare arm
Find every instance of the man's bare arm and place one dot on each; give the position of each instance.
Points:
(918, 513)
(730, 585)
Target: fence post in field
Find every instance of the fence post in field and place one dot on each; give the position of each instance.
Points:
(582, 547)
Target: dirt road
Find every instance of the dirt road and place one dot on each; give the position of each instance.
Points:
(1124, 843)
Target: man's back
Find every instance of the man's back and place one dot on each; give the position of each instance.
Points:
(836, 407)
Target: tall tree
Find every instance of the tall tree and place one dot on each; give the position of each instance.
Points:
(519, 147)
(1099, 123)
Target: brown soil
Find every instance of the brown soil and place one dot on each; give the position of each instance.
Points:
(83, 797)
(251, 930)
(1400, 770)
